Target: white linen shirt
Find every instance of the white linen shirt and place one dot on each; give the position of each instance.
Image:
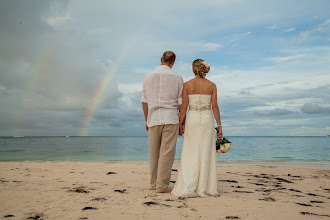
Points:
(162, 90)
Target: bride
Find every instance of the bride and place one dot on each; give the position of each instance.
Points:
(198, 169)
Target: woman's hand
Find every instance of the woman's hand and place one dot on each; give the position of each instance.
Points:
(219, 134)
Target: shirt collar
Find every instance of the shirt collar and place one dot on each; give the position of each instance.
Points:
(164, 67)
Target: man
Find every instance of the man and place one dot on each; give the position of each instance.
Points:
(161, 102)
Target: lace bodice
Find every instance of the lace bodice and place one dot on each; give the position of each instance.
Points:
(199, 102)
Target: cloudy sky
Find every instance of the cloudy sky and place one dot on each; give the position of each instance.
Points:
(76, 67)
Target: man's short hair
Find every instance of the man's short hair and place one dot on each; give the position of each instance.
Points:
(168, 57)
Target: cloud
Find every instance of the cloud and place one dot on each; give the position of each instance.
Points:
(283, 59)
(274, 112)
(290, 29)
(313, 108)
(273, 27)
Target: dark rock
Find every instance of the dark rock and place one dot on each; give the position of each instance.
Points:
(169, 200)
(175, 170)
(89, 208)
(283, 180)
(111, 173)
(9, 216)
(120, 191)
(312, 194)
(259, 184)
(78, 190)
(35, 217)
(100, 199)
(229, 181)
(172, 181)
(309, 213)
(151, 203)
(268, 199)
(303, 204)
(313, 201)
(294, 190)
(82, 218)
(289, 174)
(232, 217)
(182, 198)
(242, 191)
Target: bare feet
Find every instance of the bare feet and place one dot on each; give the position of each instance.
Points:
(166, 191)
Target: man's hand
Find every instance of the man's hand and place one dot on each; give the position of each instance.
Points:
(147, 128)
(181, 129)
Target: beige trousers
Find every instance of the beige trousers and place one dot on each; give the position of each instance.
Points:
(162, 144)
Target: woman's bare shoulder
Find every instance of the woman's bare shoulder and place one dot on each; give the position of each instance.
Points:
(211, 84)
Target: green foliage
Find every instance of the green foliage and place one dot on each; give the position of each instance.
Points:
(218, 142)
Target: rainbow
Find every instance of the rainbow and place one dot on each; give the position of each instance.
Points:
(39, 66)
(100, 91)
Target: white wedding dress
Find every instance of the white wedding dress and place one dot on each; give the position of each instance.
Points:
(197, 175)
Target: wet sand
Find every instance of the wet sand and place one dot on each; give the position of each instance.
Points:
(119, 190)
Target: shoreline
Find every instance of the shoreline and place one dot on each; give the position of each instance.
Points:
(120, 190)
(280, 163)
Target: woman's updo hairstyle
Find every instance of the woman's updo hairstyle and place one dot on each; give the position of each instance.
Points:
(200, 68)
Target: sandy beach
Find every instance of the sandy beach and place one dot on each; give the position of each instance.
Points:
(119, 190)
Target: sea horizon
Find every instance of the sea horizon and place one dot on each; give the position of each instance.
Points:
(245, 149)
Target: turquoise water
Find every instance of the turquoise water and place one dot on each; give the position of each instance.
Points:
(247, 148)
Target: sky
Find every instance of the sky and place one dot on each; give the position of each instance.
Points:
(77, 67)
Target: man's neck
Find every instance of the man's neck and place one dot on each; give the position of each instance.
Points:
(164, 64)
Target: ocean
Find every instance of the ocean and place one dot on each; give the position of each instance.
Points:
(289, 149)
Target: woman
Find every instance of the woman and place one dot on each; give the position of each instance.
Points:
(198, 169)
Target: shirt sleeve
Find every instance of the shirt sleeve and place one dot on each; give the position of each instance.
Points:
(144, 95)
(180, 91)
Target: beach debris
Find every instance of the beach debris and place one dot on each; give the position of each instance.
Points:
(295, 190)
(9, 216)
(100, 199)
(238, 186)
(80, 189)
(192, 209)
(283, 180)
(82, 218)
(229, 181)
(175, 170)
(259, 184)
(268, 199)
(289, 174)
(120, 191)
(313, 201)
(183, 206)
(232, 217)
(89, 208)
(151, 203)
(169, 200)
(172, 181)
(111, 173)
(242, 191)
(155, 203)
(312, 194)
(182, 198)
(303, 204)
(309, 213)
(35, 217)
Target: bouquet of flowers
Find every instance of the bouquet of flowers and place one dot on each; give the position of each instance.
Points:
(222, 146)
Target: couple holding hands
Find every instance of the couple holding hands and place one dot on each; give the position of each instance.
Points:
(165, 100)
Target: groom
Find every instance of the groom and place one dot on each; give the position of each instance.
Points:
(161, 102)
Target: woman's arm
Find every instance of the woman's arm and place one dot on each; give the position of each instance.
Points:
(216, 111)
(184, 105)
